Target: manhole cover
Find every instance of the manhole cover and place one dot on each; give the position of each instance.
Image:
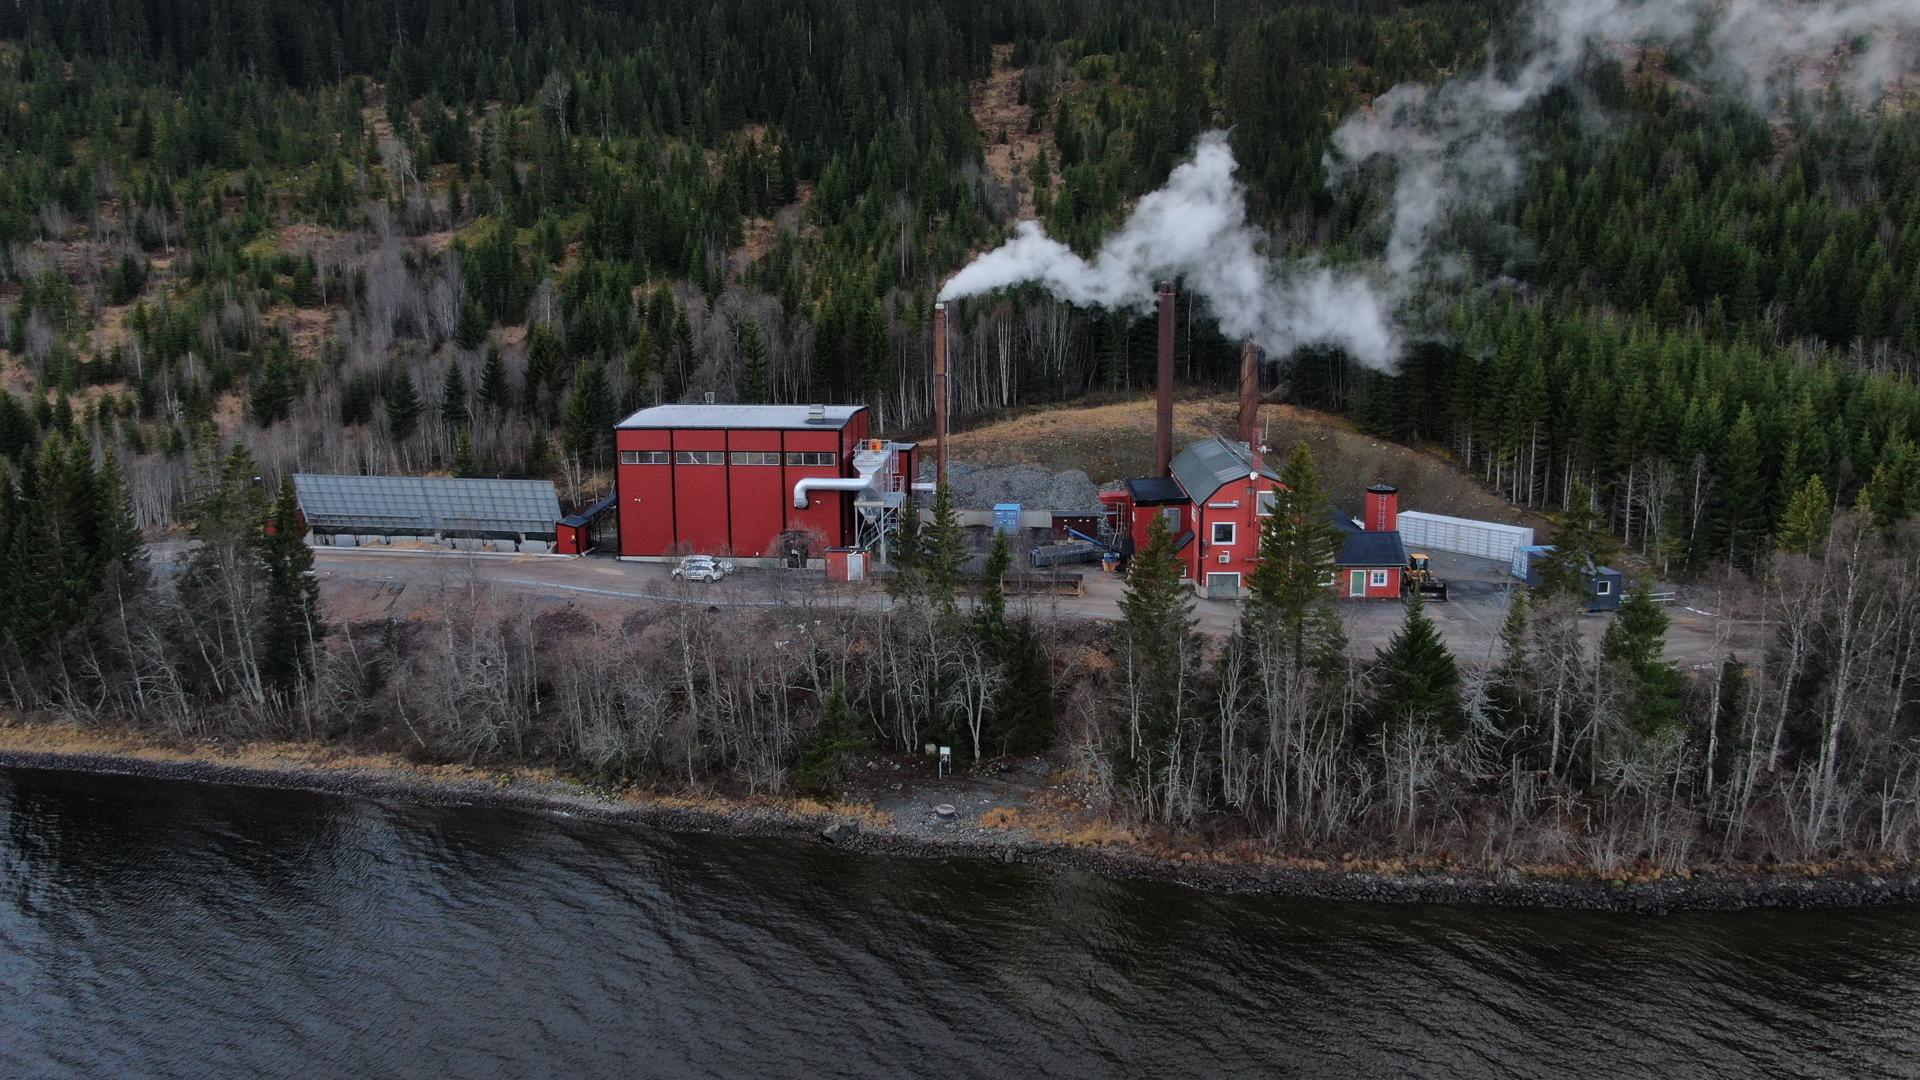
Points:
(945, 812)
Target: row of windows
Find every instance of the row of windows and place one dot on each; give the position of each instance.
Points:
(806, 458)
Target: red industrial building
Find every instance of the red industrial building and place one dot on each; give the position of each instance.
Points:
(730, 479)
(1217, 500)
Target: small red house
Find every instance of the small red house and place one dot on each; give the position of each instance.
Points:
(1372, 559)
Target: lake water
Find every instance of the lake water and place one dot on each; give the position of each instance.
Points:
(158, 928)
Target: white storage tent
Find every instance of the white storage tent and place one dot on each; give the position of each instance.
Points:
(1484, 539)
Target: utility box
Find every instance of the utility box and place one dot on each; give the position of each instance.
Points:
(846, 564)
(1006, 518)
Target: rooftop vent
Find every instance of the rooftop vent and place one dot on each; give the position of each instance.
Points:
(709, 397)
(816, 414)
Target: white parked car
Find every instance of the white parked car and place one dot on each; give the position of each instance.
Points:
(702, 568)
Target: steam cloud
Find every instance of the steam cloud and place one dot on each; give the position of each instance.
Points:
(1452, 147)
(1196, 228)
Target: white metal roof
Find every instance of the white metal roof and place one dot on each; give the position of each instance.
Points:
(1486, 539)
(765, 417)
(1442, 519)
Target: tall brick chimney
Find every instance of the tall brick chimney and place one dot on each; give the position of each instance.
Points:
(1249, 419)
(1163, 403)
(940, 392)
(1383, 509)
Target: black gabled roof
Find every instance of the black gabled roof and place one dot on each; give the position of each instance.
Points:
(1370, 549)
(1157, 491)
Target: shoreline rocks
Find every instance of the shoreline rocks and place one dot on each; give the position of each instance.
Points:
(1704, 891)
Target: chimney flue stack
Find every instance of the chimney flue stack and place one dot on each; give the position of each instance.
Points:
(940, 392)
(1250, 394)
(1163, 405)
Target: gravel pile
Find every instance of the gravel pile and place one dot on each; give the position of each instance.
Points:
(1034, 488)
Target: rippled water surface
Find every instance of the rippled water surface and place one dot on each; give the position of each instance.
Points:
(161, 928)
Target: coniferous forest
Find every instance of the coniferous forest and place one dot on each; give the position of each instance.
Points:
(244, 237)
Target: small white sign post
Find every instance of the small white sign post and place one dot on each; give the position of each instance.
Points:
(946, 760)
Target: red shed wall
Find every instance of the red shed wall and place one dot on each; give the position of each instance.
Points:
(1389, 591)
(760, 499)
(828, 509)
(646, 497)
(1343, 583)
(701, 506)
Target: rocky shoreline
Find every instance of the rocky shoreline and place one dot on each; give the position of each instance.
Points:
(1702, 892)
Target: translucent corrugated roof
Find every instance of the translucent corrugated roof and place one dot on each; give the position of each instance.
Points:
(739, 417)
(1207, 465)
(427, 505)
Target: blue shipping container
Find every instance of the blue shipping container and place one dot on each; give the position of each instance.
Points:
(1006, 518)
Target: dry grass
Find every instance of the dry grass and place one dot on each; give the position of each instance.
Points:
(1001, 817)
(1114, 441)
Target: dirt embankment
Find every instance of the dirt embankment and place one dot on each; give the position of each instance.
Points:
(1115, 441)
(1004, 121)
(999, 834)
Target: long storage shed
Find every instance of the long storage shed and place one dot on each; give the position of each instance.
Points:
(1464, 536)
(427, 507)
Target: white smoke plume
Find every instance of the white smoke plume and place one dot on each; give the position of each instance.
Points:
(1195, 228)
(1452, 147)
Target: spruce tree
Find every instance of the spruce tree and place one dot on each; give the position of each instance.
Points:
(589, 418)
(1634, 643)
(1024, 713)
(495, 394)
(1512, 692)
(453, 398)
(470, 329)
(464, 464)
(403, 406)
(122, 550)
(1417, 680)
(538, 463)
(753, 364)
(826, 745)
(906, 554)
(1299, 542)
(990, 612)
(1160, 648)
(1808, 517)
(1743, 511)
(292, 623)
(944, 557)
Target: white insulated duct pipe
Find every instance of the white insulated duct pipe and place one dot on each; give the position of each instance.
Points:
(801, 490)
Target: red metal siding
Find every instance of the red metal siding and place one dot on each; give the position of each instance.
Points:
(1203, 555)
(1389, 591)
(760, 500)
(701, 507)
(646, 497)
(827, 511)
